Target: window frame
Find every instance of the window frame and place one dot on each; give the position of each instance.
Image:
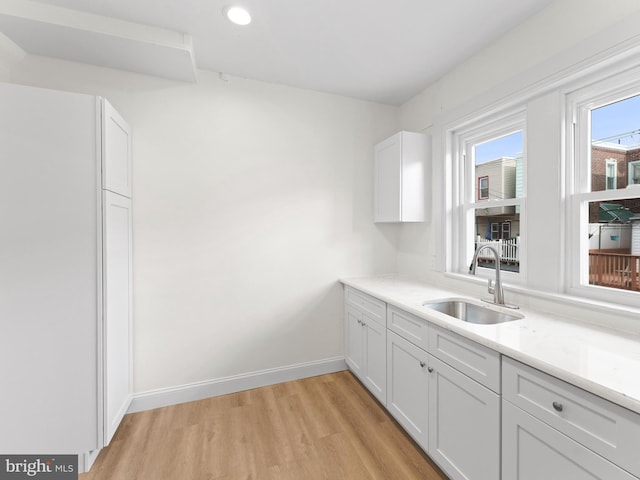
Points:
(495, 229)
(480, 196)
(578, 105)
(503, 230)
(548, 273)
(461, 235)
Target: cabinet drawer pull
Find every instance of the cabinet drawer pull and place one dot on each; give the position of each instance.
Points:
(422, 364)
(360, 322)
(364, 324)
(557, 406)
(430, 369)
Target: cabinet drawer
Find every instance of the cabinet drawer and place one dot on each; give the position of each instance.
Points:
(533, 450)
(409, 327)
(605, 428)
(474, 360)
(375, 309)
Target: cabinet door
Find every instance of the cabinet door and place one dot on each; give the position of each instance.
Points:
(354, 340)
(387, 180)
(375, 358)
(464, 425)
(408, 386)
(116, 152)
(532, 450)
(117, 256)
(607, 429)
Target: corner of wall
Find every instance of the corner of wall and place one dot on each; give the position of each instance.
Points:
(10, 55)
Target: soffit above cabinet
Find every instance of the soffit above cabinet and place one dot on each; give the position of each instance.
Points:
(67, 34)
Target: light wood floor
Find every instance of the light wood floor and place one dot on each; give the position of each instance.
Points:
(326, 427)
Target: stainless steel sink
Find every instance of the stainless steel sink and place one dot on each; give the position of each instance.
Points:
(471, 312)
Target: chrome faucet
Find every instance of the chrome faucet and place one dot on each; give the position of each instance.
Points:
(496, 290)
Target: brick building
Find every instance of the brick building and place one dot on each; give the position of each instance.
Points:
(614, 167)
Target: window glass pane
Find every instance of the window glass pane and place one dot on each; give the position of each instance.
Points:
(614, 244)
(500, 162)
(499, 227)
(615, 145)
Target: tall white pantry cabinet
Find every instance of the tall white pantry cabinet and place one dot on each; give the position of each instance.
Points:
(65, 272)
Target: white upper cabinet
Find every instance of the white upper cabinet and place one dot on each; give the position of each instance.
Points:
(116, 152)
(400, 164)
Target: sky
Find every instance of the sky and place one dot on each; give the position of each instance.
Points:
(615, 119)
(507, 146)
(609, 122)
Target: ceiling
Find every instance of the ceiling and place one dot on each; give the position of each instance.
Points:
(382, 50)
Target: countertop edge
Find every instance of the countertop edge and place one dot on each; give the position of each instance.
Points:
(537, 362)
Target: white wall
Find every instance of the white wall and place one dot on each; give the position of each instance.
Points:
(10, 55)
(250, 201)
(559, 36)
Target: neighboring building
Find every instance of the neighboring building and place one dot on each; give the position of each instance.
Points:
(614, 167)
(496, 180)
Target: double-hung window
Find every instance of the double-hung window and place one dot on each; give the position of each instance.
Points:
(603, 235)
(488, 195)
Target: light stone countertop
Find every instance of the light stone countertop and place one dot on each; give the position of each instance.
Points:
(602, 361)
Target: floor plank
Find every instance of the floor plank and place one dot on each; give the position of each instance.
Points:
(322, 428)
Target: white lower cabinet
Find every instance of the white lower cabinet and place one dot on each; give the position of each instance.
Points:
(408, 387)
(532, 450)
(480, 415)
(366, 350)
(552, 429)
(464, 424)
(452, 417)
(375, 348)
(354, 340)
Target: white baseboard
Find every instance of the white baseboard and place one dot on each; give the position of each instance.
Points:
(86, 460)
(197, 391)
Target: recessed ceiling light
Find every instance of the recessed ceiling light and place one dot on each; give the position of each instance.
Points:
(236, 14)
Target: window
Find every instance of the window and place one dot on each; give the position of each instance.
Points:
(611, 174)
(604, 253)
(634, 173)
(489, 170)
(506, 231)
(568, 226)
(483, 188)
(495, 231)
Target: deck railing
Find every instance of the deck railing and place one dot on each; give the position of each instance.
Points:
(615, 270)
(509, 249)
